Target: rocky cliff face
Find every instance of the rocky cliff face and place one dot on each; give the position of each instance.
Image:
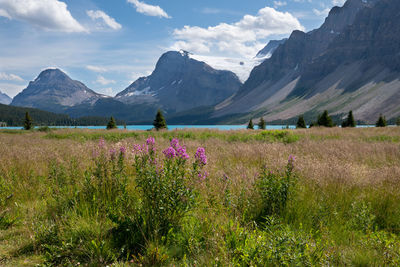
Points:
(350, 62)
(179, 83)
(5, 99)
(54, 91)
(270, 48)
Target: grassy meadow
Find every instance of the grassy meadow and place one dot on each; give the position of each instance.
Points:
(312, 197)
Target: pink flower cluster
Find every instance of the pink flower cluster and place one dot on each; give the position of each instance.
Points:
(200, 156)
(291, 159)
(177, 150)
(170, 152)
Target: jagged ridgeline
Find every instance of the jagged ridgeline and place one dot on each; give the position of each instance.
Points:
(352, 62)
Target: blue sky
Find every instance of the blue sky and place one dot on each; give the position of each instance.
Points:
(107, 44)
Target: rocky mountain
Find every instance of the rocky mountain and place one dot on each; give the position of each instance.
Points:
(5, 99)
(179, 83)
(352, 62)
(270, 48)
(54, 91)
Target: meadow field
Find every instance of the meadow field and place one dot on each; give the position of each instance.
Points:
(309, 197)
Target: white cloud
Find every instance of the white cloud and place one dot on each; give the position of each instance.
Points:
(279, 3)
(109, 21)
(108, 91)
(10, 77)
(245, 37)
(4, 13)
(149, 10)
(51, 15)
(96, 68)
(338, 2)
(103, 81)
(11, 89)
(322, 13)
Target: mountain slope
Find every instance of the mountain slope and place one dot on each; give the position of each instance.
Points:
(180, 83)
(270, 48)
(350, 62)
(5, 99)
(54, 91)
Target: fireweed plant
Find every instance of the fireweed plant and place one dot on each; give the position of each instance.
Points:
(166, 187)
(140, 213)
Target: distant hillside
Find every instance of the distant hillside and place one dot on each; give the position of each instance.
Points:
(14, 116)
(54, 91)
(5, 99)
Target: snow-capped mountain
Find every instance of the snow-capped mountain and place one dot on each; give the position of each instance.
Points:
(179, 82)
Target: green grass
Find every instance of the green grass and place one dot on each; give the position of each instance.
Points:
(284, 136)
(63, 204)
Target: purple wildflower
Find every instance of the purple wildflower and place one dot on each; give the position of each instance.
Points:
(174, 143)
(170, 152)
(181, 152)
(150, 141)
(112, 153)
(200, 156)
(122, 149)
(136, 149)
(102, 143)
(291, 159)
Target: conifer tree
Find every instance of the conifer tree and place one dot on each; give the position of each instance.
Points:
(250, 126)
(28, 122)
(261, 124)
(398, 121)
(381, 121)
(349, 122)
(159, 122)
(301, 123)
(325, 120)
(111, 124)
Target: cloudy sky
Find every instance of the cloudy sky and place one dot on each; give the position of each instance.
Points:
(107, 44)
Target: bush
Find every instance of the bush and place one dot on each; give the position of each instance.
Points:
(325, 120)
(274, 189)
(301, 123)
(250, 126)
(159, 122)
(349, 122)
(381, 122)
(111, 124)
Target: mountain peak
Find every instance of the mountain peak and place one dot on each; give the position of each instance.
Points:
(52, 74)
(4, 99)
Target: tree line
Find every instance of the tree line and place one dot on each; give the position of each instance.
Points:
(325, 120)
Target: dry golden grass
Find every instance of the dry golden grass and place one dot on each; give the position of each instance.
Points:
(343, 158)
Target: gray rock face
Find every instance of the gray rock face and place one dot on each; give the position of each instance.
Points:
(180, 83)
(54, 91)
(5, 99)
(270, 48)
(352, 62)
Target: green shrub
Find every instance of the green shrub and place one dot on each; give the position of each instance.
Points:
(274, 189)
(6, 195)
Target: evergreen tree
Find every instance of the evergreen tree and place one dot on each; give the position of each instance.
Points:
(301, 123)
(325, 120)
(381, 121)
(159, 121)
(398, 122)
(261, 124)
(28, 124)
(349, 122)
(111, 124)
(250, 126)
